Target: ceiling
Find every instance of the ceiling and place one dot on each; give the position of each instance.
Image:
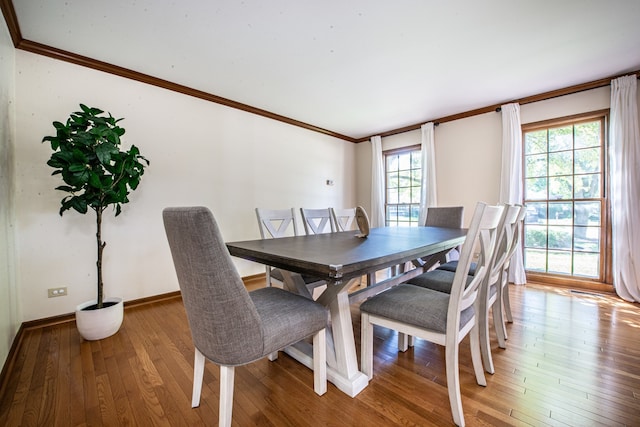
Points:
(358, 67)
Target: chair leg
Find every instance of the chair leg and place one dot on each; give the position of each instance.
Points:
(198, 374)
(227, 374)
(403, 342)
(273, 356)
(366, 345)
(320, 362)
(482, 325)
(507, 304)
(476, 356)
(498, 324)
(453, 381)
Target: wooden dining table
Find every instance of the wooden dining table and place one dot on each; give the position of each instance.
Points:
(340, 259)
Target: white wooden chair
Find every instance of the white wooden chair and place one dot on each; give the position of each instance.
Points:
(504, 309)
(344, 219)
(441, 280)
(442, 318)
(491, 298)
(317, 221)
(276, 223)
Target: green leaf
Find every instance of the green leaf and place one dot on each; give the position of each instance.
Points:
(104, 151)
(90, 111)
(94, 180)
(77, 167)
(65, 188)
(133, 183)
(106, 181)
(79, 204)
(82, 177)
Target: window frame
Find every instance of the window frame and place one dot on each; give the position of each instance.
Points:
(385, 154)
(605, 281)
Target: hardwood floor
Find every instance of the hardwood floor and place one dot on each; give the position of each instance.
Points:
(573, 358)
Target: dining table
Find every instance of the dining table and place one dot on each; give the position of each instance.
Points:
(340, 258)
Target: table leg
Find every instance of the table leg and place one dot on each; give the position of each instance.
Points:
(342, 361)
(345, 375)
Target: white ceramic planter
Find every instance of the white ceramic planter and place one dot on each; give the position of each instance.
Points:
(98, 324)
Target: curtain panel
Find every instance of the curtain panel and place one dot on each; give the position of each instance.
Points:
(377, 184)
(428, 195)
(624, 159)
(511, 190)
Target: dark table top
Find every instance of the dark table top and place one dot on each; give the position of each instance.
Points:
(341, 256)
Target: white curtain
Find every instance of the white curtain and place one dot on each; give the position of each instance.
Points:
(625, 187)
(511, 177)
(428, 185)
(377, 184)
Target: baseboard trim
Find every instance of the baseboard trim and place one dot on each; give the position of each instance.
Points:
(70, 317)
(11, 360)
(255, 280)
(249, 281)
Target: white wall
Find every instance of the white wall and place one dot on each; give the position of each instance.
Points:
(9, 307)
(468, 161)
(201, 154)
(468, 151)
(581, 102)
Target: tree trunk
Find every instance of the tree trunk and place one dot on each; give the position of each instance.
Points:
(101, 246)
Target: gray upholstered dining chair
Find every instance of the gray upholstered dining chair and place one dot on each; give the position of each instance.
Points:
(445, 216)
(442, 318)
(276, 223)
(230, 326)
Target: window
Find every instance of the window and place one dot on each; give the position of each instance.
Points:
(565, 227)
(403, 170)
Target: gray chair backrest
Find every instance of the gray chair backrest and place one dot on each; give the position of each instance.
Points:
(224, 322)
(446, 216)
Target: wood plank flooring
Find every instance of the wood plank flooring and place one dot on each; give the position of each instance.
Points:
(573, 359)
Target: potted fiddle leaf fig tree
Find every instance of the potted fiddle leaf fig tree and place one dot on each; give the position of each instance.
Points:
(97, 174)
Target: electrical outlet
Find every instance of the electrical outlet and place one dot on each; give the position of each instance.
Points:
(57, 292)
